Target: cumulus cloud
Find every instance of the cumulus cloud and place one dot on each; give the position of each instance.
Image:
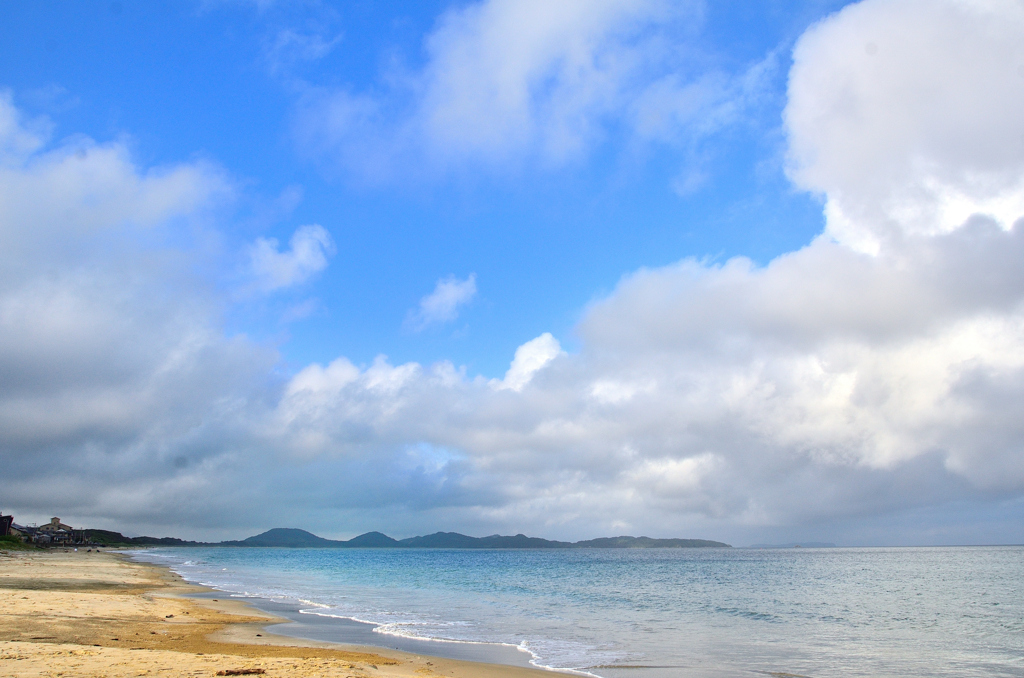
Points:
(905, 117)
(272, 269)
(118, 381)
(530, 358)
(876, 371)
(443, 304)
(872, 371)
(507, 81)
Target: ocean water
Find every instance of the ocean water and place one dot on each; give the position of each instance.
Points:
(653, 613)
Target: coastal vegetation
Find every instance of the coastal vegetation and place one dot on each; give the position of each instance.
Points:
(109, 538)
(10, 542)
(56, 533)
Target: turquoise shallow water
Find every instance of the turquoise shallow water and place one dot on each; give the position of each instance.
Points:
(956, 611)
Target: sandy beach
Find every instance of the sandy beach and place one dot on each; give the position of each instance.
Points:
(68, 613)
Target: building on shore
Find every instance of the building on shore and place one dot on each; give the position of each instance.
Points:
(9, 528)
(26, 533)
(55, 527)
(56, 532)
(52, 533)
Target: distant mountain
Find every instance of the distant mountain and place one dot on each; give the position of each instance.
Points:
(454, 540)
(370, 540)
(294, 538)
(285, 536)
(647, 543)
(794, 545)
(289, 537)
(519, 541)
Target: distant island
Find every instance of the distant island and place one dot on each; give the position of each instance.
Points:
(796, 545)
(295, 538)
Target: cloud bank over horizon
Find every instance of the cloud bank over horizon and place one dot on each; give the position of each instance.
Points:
(873, 374)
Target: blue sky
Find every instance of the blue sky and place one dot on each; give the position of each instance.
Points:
(570, 269)
(184, 80)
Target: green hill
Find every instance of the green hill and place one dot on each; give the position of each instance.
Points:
(285, 536)
(289, 537)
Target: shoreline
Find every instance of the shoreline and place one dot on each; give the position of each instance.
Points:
(300, 623)
(104, 614)
(303, 622)
(302, 619)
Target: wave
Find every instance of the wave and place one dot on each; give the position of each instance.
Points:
(404, 629)
(247, 578)
(578, 611)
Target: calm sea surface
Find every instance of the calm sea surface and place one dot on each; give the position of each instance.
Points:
(956, 611)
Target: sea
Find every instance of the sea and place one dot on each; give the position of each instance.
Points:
(647, 613)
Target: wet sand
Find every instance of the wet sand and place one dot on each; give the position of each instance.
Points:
(67, 613)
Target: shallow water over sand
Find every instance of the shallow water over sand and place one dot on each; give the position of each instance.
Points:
(945, 611)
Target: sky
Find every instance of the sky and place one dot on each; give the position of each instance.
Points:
(747, 271)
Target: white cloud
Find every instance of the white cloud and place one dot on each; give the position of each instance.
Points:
(831, 383)
(905, 114)
(18, 138)
(508, 82)
(673, 108)
(289, 47)
(505, 75)
(119, 385)
(443, 304)
(310, 248)
(829, 387)
(530, 358)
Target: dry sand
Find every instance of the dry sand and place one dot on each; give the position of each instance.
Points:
(67, 613)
